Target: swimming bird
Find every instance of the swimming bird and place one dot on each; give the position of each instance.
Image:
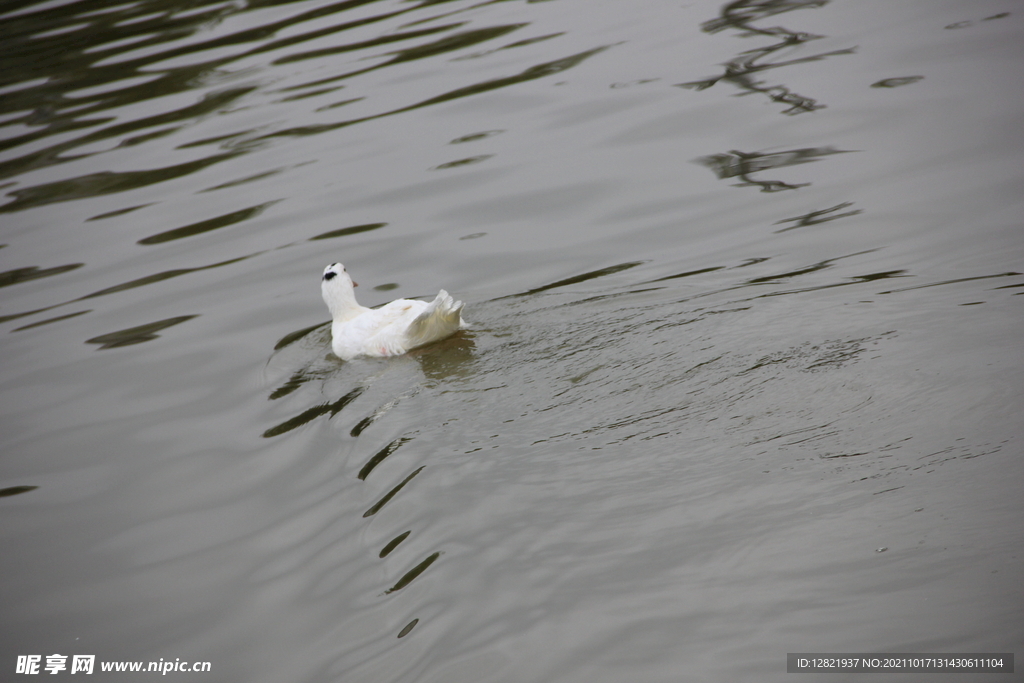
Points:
(390, 330)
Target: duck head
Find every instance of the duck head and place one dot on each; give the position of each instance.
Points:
(336, 288)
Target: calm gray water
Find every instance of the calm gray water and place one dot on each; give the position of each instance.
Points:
(743, 376)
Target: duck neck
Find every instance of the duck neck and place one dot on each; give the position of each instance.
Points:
(342, 304)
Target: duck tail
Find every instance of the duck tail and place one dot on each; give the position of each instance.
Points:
(441, 318)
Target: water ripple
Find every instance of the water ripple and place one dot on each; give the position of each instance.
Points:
(740, 71)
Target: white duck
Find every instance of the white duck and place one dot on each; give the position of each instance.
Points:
(390, 330)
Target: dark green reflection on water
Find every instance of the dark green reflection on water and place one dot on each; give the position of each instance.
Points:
(352, 230)
(137, 335)
(379, 457)
(532, 73)
(132, 284)
(375, 508)
(13, 277)
(602, 272)
(15, 490)
(104, 182)
(393, 543)
(209, 224)
(85, 66)
(312, 413)
(413, 573)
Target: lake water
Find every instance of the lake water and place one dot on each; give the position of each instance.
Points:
(744, 357)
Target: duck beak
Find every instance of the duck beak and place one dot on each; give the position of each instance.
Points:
(355, 284)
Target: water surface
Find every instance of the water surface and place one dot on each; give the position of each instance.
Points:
(743, 373)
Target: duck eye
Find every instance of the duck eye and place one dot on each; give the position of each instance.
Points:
(329, 274)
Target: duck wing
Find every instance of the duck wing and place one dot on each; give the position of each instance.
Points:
(438, 320)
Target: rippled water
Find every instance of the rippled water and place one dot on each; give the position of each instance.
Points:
(741, 376)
